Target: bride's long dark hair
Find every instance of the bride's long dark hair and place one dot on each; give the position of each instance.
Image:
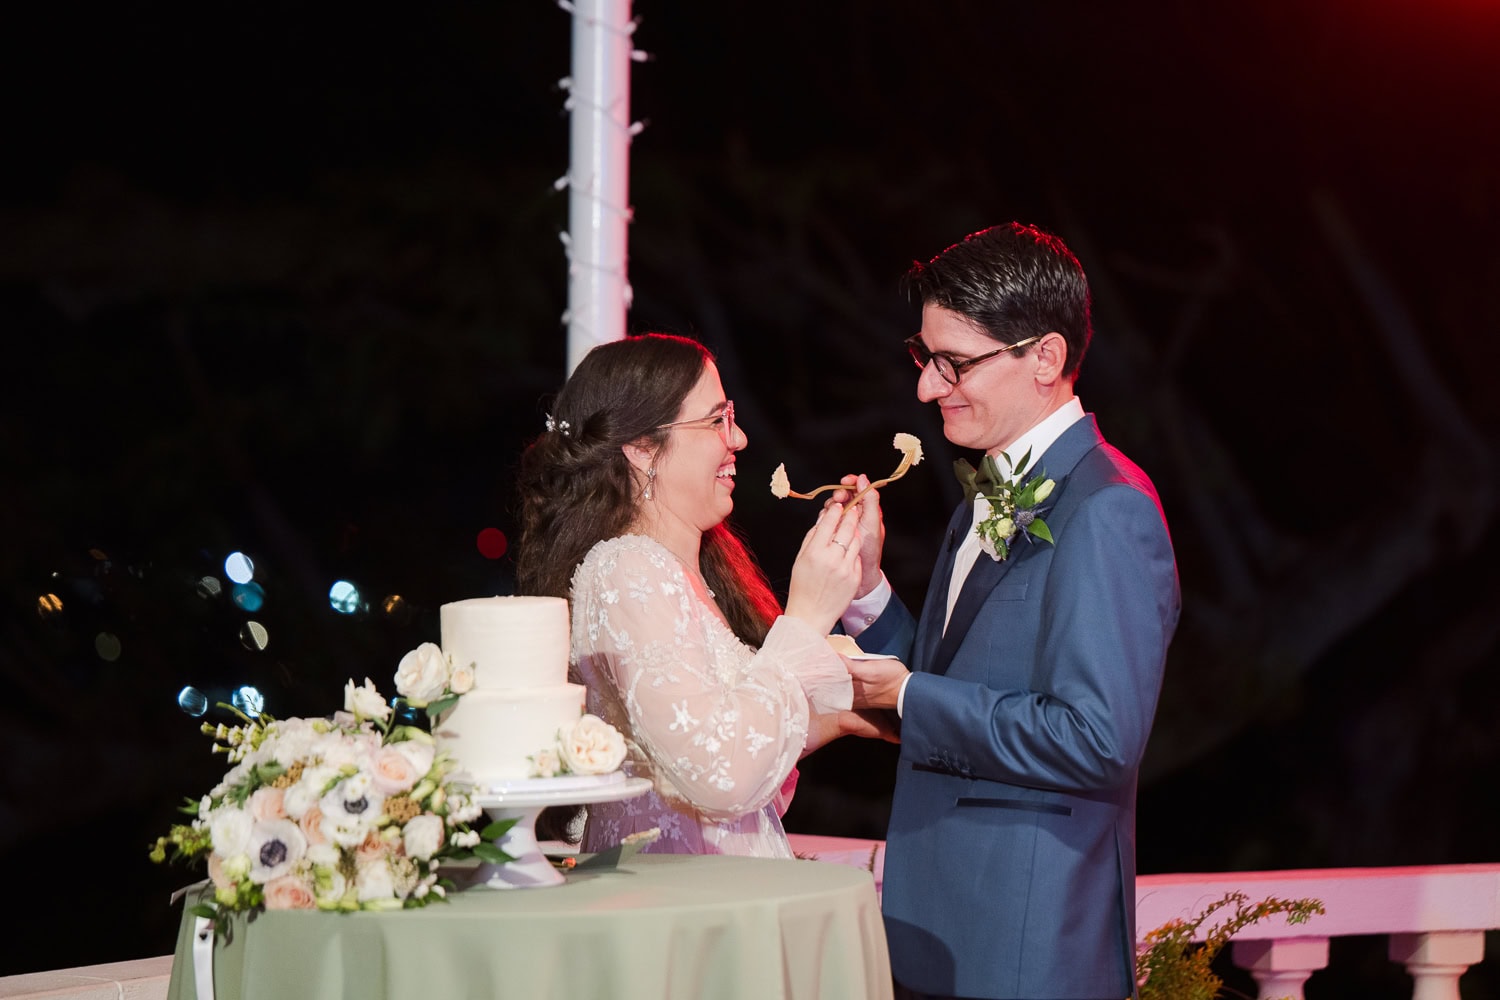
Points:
(576, 487)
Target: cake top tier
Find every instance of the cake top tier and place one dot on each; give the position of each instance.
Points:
(512, 642)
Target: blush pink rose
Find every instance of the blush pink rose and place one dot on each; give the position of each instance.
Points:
(289, 893)
(393, 771)
(216, 873)
(371, 847)
(267, 803)
(312, 826)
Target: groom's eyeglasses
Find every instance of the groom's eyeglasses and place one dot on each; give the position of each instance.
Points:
(722, 421)
(949, 367)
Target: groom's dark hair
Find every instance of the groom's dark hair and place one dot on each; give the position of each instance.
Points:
(1011, 281)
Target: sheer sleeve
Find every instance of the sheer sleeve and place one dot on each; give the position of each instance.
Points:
(720, 724)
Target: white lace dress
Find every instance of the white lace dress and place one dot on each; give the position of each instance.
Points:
(715, 724)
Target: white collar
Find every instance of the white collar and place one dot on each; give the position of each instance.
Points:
(1040, 437)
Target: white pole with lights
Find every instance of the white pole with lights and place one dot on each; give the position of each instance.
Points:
(598, 175)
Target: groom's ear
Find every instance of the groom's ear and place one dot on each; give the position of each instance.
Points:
(1051, 356)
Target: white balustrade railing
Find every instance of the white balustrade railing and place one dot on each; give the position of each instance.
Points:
(1433, 916)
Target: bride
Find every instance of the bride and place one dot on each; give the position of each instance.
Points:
(675, 631)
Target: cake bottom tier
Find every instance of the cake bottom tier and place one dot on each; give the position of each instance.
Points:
(492, 734)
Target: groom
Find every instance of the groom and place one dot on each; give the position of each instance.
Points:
(1010, 859)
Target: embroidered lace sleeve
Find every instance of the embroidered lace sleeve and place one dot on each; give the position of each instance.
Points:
(719, 723)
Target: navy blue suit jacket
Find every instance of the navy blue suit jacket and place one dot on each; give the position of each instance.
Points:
(1010, 859)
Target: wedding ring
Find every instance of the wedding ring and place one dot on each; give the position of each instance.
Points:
(842, 545)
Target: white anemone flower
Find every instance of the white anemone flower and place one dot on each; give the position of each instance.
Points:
(275, 846)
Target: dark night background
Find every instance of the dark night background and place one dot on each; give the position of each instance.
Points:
(288, 281)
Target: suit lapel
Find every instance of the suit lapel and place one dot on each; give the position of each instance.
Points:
(1058, 463)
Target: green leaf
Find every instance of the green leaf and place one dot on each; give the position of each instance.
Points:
(205, 910)
(991, 471)
(499, 828)
(1038, 529)
(492, 854)
(437, 708)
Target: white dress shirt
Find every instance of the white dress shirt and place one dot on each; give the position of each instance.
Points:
(863, 611)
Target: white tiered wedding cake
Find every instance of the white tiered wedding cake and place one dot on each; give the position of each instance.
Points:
(522, 717)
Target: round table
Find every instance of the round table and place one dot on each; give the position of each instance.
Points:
(657, 926)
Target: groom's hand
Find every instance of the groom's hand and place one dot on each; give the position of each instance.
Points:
(877, 683)
(871, 530)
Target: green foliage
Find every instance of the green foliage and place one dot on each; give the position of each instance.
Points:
(1171, 965)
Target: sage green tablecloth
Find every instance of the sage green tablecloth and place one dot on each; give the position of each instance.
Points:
(659, 926)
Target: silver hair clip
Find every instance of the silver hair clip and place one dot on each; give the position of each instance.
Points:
(558, 425)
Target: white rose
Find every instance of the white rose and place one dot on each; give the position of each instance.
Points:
(373, 880)
(422, 674)
(1044, 491)
(420, 753)
(230, 829)
(461, 680)
(365, 702)
(593, 747)
(545, 764)
(422, 836)
(1005, 528)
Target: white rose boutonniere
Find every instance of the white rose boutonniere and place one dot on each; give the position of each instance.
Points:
(1014, 505)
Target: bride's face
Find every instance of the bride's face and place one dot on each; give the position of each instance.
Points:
(694, 484)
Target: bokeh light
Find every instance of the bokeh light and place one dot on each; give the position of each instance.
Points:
(49, 606)
(253, 635)
(107, 645)
(492, 543)
(209, 587)
(397, 608)
(344, 597)
(239, 567)
(248, 596)
(248, 700)
(192, 701)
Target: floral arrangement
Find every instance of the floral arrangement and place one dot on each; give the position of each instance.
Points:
(1170, 965)
(343, 813)
(911, 454)
(1012, 505)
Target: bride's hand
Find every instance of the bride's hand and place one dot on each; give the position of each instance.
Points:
(827, 569)
(824, 728)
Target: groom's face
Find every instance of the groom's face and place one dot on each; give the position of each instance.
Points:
(995, 401)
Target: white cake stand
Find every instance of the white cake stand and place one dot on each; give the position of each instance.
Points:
(524, 801)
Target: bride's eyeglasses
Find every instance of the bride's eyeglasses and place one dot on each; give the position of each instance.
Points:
(722, 422)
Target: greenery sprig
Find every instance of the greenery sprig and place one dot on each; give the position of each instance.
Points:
(1171, 965)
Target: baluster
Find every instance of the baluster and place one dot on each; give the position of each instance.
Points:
(1281, 965)
(1436, 960)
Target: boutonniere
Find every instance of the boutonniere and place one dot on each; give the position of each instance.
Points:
(1014, 505)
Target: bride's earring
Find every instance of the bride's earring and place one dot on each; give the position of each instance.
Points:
(650, 478)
